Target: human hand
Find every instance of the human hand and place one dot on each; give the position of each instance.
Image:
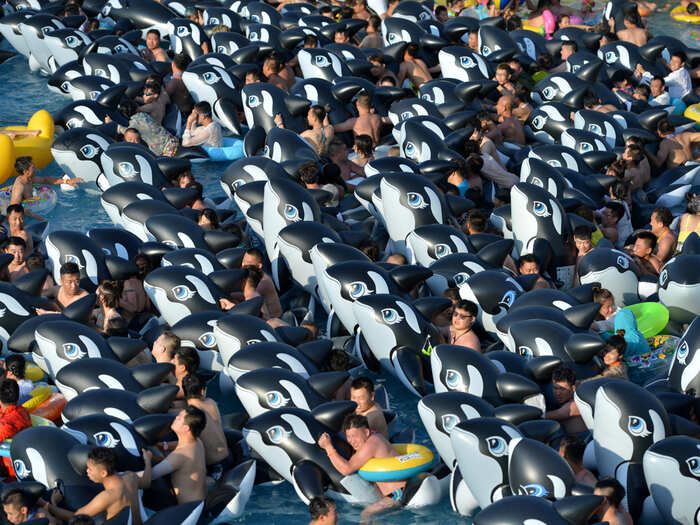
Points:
(56, 497)
(108, 119)
(226, 304)
(147, 455)
(75, 181)
(324, 441)
(278, 119)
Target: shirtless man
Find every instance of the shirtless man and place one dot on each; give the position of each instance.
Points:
(18, 508)
(509, 127)
(186, 362)
(17, 267)
(186, 464)
(22, 187)
(632, 32)
(666, 238)
(271, 69)
(69, 289)
(568, 415)
(366, 122)
(213, 438)
(321, 133)
(272, 309)
(362, 393)
(164, 348)
(153, 51)
(367, 446)
(637, 168)
(413, 68)
(611, 510)
(643, 251)
(120, 490)
(15, 223)
(571, 449)
(675, 148)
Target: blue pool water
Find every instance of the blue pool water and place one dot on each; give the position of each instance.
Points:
(22, 93)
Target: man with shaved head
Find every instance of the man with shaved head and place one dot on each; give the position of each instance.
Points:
(509, 128)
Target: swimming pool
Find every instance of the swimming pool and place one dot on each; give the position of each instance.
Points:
(23, 93)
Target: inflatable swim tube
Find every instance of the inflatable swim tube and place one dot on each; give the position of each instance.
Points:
(693, 112)
(38, 147)
(230, 151)
(51, 408)
(413, 459)
(676, 15)
(651, 318)
(40, 395)
(43, 200)
(36, 422)
(33, 372)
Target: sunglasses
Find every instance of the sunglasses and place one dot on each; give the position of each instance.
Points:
(461, 316)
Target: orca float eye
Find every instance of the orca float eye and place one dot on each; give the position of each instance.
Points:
(391, 316)
(682, 352)
(275, 399)
(254, 101)
(70, 258)
(210, 77)
(72, 41)
(410, 149)
(610, 57)
(453, 379)
(538, 122)
(322, 61)
(460, 278)
(72, 351)
(291, 213)
(467, 62)
(126, 170)
(638, 427)
(357, 289)
(105, 439)
(526, 352)
(207, 340)
(694, 465)
(120, 49)
(182, 292)
(623, 262)
(416, 200)
(392, 38)
(182, 31)
(539, 208)
(549, 92)
(75, 122)
(595, 128)
(21, 471)
(442, 250)
(276, 434)
(585, 147)
(663, 278)
(89, 151)
(508, 299)
(449, 421)
(533, 489)
(497, 446)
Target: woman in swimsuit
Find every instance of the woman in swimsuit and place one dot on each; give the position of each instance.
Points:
(689, 222)
(108, 296)
(363, 149)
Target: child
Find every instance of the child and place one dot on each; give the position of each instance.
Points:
(608, 311)
(503, 74)
(612, 357)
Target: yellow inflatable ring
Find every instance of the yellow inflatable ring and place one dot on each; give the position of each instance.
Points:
(676, 15)
(535, 29)
(39, 395)
(38, 148)
(412, 459)
(33, 372)
(693, 112)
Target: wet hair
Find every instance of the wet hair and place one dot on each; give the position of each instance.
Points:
(635, 152)
(355, 421)
(310, 40)
(665, 127)
(153, 32)
(196, 419)
(9, 392)
(649, 237)
(182, 61)
(563, 374)
(16, 498)
(254, 275)
(632, 17)
(617, 168)
(514, 23)
(15, 208)
(590, 100)
(477, 221)
(23, 164)
(583, 232)
(193, 386)
(601, 295)
(467, 306)
(110, 292)
(544, 61)
(528, 258)
(274, 64)
(255, 252)
(412, 50)
(170, 342)
(16, 241)
(692, 9)
(320, 506)
(69, 268)
(362, 382)
(364, 100)
(338, 360)
(680, 54)
(35, 261)
(197, 187)
(617, 209)
(188, 357)
(16, 364)
(661, 79)
(319, 112)
(611, 490)
(210, 215)
(643, 90)
(573, 448)
(504, 67)
(664, 215)
(203, 108)
(363, 143)
(132, 130)
(104, 457)
(616, 342)
(370, 248)
(571, 44)
(308, 173)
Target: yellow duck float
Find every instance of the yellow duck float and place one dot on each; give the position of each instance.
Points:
(33, 140)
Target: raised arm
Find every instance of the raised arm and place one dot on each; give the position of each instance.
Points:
(345, 126)
(355, 463)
